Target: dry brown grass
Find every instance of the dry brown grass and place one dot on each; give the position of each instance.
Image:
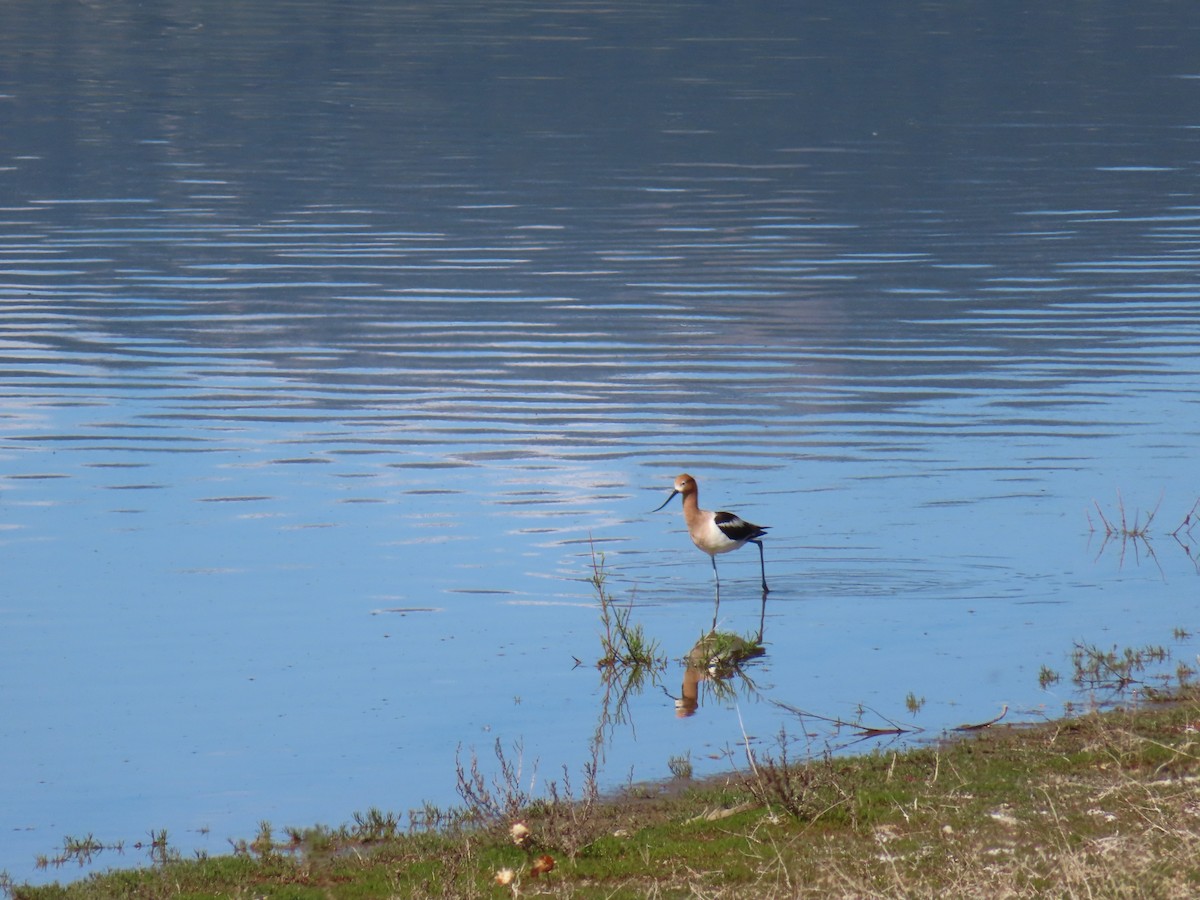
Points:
(1099, 807)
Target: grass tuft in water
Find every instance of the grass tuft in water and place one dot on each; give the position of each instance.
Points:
(623, 644)
(1123, 676)
(1048, 677)
(83, 851)
(1114, 670)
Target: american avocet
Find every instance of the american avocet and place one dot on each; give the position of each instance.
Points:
(716, 532)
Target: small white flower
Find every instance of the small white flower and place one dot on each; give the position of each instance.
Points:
(520, 834)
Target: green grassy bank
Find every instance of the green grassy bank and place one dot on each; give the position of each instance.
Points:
(1103, 804)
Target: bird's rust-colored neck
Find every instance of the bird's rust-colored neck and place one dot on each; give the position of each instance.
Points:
(686, 486)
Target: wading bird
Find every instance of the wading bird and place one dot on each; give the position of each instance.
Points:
(716, 532)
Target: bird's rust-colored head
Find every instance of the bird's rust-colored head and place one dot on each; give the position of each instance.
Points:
(685, 484)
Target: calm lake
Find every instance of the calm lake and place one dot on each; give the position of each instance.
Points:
(336, 338)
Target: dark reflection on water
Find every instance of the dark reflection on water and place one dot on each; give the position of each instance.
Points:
(332, 336)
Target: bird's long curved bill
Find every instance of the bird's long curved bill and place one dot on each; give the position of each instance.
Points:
(668, 500)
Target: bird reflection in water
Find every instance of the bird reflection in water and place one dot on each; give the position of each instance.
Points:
(716, 661)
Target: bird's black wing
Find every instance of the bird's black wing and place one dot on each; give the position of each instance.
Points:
(736, 528)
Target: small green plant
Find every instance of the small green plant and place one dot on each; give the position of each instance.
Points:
(316, 839)
(374, 825)
(161, 851)
(913, 703)
(81, 849)
(1184, 674)
(262, 848)
(1047, 676)
(264, 844)
(680, 766)
(723, 653)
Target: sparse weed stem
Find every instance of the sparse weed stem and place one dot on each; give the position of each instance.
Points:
(1122, 527)
(1136, 532)
(500, 799)
(680, 766)
(560, 818)
(1189, 520)
(806, 791)
(1117, 526)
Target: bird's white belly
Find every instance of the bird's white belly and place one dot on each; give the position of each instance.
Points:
(712, 540)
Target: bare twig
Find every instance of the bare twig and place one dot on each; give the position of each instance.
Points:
(979, 726)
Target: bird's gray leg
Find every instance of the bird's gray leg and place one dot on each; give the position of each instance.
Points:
(762, 564)
(717, 603)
